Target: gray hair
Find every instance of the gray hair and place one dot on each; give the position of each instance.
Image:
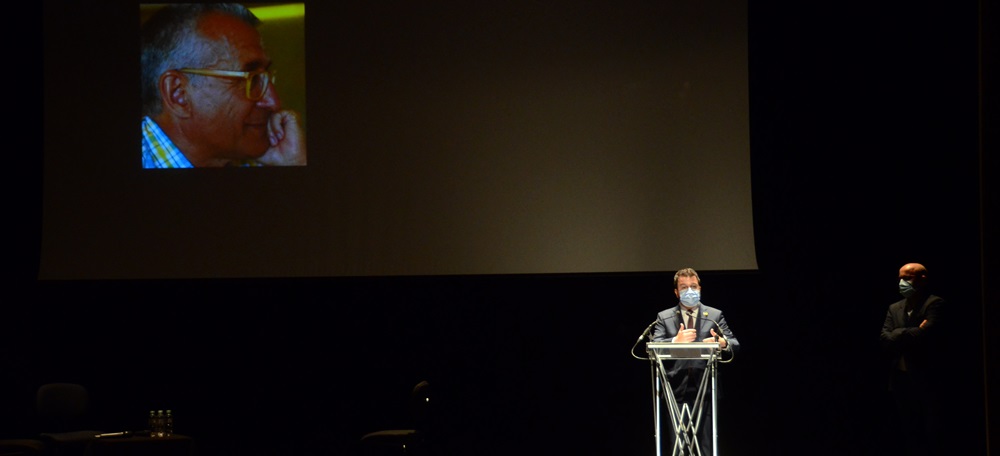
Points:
(170, 40)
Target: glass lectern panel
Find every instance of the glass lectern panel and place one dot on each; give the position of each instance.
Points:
(683, 350)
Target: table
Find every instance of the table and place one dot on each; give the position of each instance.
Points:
(175, 445)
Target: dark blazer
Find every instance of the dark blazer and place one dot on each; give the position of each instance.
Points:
(904, 343)
(667, 325)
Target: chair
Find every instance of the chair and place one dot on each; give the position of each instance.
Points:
(414, 441)
(63, 417)
(22, 447)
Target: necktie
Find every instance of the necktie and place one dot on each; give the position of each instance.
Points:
(690, 323)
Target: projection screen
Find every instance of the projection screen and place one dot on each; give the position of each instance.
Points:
(444, 138)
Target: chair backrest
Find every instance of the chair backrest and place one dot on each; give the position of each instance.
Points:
(421, 406)
(62, 406)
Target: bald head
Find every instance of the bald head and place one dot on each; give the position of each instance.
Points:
(915, 273)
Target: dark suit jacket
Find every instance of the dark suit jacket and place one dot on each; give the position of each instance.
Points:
(904, 343)
(666, 327)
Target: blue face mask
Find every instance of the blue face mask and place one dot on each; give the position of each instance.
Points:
(690, 297)
(906, 288)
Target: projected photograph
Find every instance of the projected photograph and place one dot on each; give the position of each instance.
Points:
(222, 85)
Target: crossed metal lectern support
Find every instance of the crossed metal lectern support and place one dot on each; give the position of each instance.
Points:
(685, 419)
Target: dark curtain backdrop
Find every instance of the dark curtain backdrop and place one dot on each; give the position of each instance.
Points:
(865, 154)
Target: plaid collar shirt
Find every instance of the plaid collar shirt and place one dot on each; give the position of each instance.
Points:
(158, 151)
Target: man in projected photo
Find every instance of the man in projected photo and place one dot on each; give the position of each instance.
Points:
(692, 321)
(208, 94)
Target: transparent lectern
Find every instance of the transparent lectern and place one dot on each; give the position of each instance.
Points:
(685, 420)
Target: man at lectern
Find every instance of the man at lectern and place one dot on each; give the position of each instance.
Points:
(692, 321)
(208, 92)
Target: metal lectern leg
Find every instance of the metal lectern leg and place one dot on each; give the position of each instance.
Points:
(681, 416)
(715, 428)
(685, 419)
(656, 406)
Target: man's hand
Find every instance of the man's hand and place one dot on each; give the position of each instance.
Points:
(716, 338)
(288, 146)
(686, 335)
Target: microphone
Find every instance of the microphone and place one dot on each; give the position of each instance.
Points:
(721, 333)
(646, 332)
(704, 314)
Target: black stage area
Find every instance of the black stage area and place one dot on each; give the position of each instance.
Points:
(867, 140)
